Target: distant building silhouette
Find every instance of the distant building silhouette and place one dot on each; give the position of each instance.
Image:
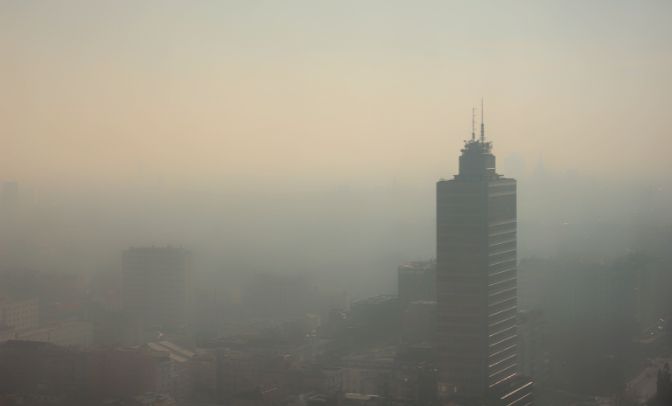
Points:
(476, 283)
(9, 195)
(157, 286)
(416, 281)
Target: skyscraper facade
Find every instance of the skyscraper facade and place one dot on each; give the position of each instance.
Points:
(476, 281)
(157, 285)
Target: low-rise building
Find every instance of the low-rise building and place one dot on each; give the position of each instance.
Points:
(181, 368)
(72, 333)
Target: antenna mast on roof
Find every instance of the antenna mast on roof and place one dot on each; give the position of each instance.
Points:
(473, 124)
(482, 124)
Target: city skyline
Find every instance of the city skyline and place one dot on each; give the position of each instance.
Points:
(265, 203)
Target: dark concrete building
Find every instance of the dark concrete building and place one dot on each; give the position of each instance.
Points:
(418, 322)
(476, 281)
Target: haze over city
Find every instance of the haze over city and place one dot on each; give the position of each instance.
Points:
(221, 107)
(305, 139)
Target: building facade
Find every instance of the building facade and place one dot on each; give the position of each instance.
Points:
(157, 286)
(19, 314)
(476, 279)
(416, 281)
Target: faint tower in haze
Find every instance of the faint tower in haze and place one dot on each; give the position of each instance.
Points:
(416, 281)
(157, 286)
(9, 195)
(476, 282)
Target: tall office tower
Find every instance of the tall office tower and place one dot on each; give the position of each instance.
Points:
(476, 282)
(156, 286)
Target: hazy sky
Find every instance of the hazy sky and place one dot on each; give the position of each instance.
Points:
(231, 92)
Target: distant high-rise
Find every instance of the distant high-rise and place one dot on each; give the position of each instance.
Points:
(9, 195)
(156, 286)
(416, 281)
(476, 282)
